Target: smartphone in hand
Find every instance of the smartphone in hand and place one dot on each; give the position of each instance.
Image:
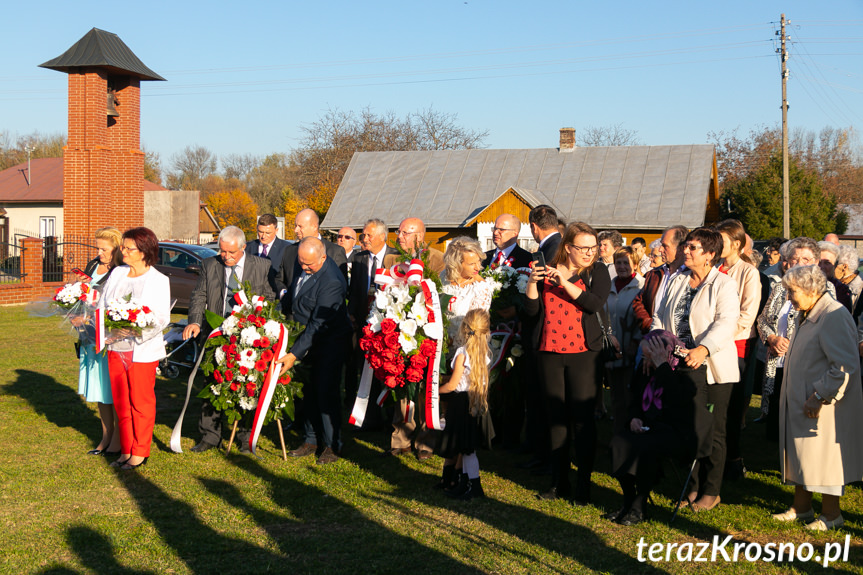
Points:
(538, 259)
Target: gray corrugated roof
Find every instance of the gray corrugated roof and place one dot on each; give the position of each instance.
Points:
(101, 49)
(609, 187)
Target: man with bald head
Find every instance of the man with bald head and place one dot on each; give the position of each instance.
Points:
(306, 226)
(832, 238)
(319, 303)
(412, 233)
(505, 237)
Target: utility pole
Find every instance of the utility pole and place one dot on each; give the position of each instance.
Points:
(786, 196)
(29, 149)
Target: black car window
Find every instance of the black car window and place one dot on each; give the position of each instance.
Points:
(175, 258)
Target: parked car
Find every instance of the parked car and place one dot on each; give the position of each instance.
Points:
(182, 264)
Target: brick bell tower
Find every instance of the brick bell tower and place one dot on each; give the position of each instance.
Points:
(103, 165)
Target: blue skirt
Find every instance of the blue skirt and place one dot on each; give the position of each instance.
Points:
(93, 380)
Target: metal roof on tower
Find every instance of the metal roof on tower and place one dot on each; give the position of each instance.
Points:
(101, 49)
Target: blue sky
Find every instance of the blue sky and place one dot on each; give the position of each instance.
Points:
(244, 79)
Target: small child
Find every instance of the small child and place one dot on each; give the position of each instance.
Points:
(466, 404)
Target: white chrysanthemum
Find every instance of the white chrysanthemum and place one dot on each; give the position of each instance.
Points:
(215, 389)
(408, 327)
(248, 403)
(271, 328)
(252, 377)
(248, 357)
(229, 326)
(220, 356)
(521, 283)
(407, 343)
(249, 335)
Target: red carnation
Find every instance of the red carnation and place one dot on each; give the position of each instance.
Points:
(428, 348)
(217, 375)
(258, 308)
(229, 375)
(235, 386)
(250, 389)
(418, 361)
(265, 342)
(58, 290)
(285, 379)
(267, 355)
(133, 315)
(145, 309)
(261, 366)
(244, 370)
(388, 326)
(233, 347)
(392, 340)
(233, 339)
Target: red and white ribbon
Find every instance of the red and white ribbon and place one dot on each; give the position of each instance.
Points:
(361, 403)
(506, 334)
(176, 433)
(432, 397)
(271, 380)
(100, 329)
(409, 273)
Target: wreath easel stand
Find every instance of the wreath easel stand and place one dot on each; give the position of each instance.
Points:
(281, 438)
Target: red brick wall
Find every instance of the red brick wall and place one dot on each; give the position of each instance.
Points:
(31, 287)
(103, 164)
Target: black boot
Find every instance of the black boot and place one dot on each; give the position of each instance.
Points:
(447, 478)
(460, 488)
(474, 490)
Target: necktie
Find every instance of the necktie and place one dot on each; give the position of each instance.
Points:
(300, 283)
(372, 273)
(264, 251)
(233, 287)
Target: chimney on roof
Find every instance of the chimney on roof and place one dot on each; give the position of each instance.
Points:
(567, 139)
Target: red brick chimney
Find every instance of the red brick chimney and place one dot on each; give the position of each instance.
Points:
(103, 165)
(567, 139)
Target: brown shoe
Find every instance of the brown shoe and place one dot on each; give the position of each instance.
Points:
(423, 455)
(396, 451)
(303, 450)
(328, 456)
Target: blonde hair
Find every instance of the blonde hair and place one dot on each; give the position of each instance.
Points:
(115, 238)
(629, 253)
(476, 333)
(454, 256)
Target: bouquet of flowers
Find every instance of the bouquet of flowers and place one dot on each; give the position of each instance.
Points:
(69, 295)
(510, 285)
(127, 313)
(240, 356)
(404, 337)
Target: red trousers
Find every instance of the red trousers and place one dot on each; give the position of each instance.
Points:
(133, 388)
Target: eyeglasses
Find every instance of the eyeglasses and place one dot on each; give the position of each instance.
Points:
(502, 230)
(125, 249)
(341, 237)
(403, 233)
(584, 249)
(692, 247)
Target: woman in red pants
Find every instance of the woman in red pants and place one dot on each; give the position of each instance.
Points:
(132, 359)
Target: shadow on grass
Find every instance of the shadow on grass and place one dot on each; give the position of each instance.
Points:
(95, 552)
(529, 525)
(58, 403)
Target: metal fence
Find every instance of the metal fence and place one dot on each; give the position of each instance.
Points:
(11, 263)
(60, 255)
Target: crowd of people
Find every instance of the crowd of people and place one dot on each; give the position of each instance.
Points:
(682, 331)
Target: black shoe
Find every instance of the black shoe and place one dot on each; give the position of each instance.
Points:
(447, 479)
(203, 446)
(95, 452)
(460, 488)
(615, 515)
(552, 494)
(734, 470)
(631, 517)
(473, 489)
(119, 463)
(128, 466)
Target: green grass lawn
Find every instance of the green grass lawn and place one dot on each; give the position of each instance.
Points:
(63, 511)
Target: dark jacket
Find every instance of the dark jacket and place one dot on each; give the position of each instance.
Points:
(320, 306)
(274, 254)
(520, 257)
(642, 305)
(358, 291)
(91, 267)
(291, 270)
(591, 301)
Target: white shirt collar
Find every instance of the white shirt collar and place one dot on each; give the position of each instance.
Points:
(545, 239)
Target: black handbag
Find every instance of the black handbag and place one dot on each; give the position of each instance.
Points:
(609, 352)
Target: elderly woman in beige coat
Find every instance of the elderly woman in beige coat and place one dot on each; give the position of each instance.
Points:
(820, 407)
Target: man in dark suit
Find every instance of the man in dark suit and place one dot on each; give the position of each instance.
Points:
(307, 223)
(360, 291)
(505, 238)
(268, 245)
(319, 304)
(220, 277)
(544, 228)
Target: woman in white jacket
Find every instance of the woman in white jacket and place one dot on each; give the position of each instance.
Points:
(701, 307)
(132, 359)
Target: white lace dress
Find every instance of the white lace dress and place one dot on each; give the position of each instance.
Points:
(476, 295)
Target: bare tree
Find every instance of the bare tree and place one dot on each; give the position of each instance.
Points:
(615, 135)
(269, 182)
(191, 167)
(239, 166)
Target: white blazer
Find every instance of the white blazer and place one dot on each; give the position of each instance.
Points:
(157, 296)
(713, 319)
